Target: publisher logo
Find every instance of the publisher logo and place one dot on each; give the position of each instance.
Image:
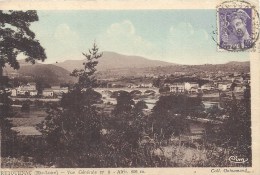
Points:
(236, 159)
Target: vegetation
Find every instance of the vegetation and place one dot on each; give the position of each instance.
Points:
(76, 133)
(72, 131)
(16, 38)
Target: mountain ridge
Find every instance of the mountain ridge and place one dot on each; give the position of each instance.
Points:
(113, 60)
(116, 65)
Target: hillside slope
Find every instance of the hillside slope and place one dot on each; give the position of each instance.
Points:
(51, 74)
(112, 60)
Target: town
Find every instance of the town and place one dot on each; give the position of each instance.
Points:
(92, 108)
(221, 82)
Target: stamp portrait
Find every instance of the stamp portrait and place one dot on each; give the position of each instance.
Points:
(238, 26)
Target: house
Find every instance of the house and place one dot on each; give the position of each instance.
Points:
(177, 87)
(33, 93)
(57, 90)
(239, 88)
(146, 85)
(26, 89)
(47, 92)
(191, 86)
(224, 86)
(207, 86)
(13, 92)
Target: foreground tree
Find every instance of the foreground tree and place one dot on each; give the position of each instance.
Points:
(73, 131)
(170, 112)
(124, 141)
(235, 132)
(16, 38)
(8, 136)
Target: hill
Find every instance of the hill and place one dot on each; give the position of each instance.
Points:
(113, 65)
(230, 67)
(112, 60)
(49, 73)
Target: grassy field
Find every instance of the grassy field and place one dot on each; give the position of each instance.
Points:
(7, 162)
(210, 156)
(24, 122)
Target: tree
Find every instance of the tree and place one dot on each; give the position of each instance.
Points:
(169, 114)
(16, 37)
(124, 103)
(164, 89)
(73, 130)
(124, 148)
(8, 136)
(26, 106)
(235, 132)
(86, 78)
(157, 82)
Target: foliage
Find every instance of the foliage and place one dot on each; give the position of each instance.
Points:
(170, 112)
(86, 78)
(123, 141)
(178, 104)
(8, 162)
(72, 131)
(164, 89)
(26, 106)
(124, 103)
(8, 136)
(214, 111)
(157, 82)
(236, 131)
(16, 37)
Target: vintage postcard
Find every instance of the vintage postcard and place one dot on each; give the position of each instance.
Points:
(129, 87)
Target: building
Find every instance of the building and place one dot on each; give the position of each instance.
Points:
(239, 88)
(13, 92)
(48, 92)
(207, 86)
(177, 87)
(191, 86)
(27, 89)
(146, 85)
(57, 90)
(33, 93)
(224, 86)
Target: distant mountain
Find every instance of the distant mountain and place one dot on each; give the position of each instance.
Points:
(22, 62)
(230, 67)
(112, 60)
(237, 63)
(113, 65)
(48, 73)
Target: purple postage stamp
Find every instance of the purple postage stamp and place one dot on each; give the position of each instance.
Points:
(238, 26)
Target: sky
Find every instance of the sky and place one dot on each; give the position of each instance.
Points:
(177, 36)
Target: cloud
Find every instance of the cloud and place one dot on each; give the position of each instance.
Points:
(122, 37)
(63, 43)
(185, 34)
(66, 36)
(187, 44)
(181, 42)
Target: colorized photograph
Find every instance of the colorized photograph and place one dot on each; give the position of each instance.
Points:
(125, 88)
